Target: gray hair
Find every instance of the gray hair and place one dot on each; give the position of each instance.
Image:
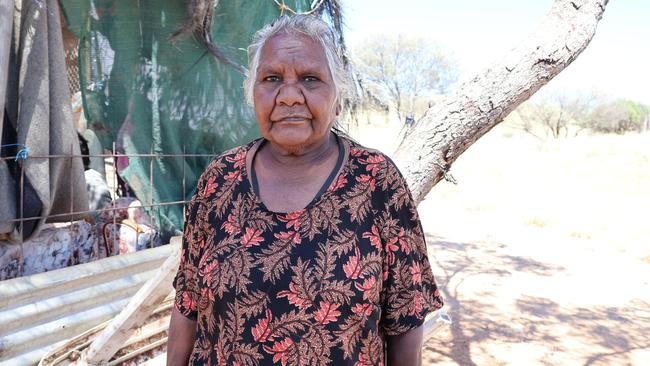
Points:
(311, 27)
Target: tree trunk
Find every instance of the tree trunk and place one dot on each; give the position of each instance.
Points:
(455, 123)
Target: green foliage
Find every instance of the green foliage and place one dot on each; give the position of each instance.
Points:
(618, 116)
(555, 115)
(636, 111)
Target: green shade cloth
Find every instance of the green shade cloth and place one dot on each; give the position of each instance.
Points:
(147, 94)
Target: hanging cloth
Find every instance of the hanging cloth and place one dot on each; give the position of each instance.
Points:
(37, 116)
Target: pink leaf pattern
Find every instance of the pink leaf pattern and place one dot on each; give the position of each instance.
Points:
(416, 274)
(229, 225)
(280, 350)
(294, 297)
(261, 332)
(404, 244)
(293, 220)
(374, 237)
(207, 271)
(373, 164)
(292, 235)
(362, 309)
(188, 302)
(391, 248)
(234, 175)
(417, 305)
(369, 180)
(338, 183)
(327, 312)
(367, 287)
(210, 186)
(352, 268)
(239, 159)
(252, 237)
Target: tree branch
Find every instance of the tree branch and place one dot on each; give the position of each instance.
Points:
(454, 124)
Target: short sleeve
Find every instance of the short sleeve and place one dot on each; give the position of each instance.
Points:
(409, 290)
(186, 280)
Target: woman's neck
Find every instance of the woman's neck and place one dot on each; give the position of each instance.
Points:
(306, 157)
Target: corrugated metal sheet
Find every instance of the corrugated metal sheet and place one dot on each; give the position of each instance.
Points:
(147, 341)
(41, 311)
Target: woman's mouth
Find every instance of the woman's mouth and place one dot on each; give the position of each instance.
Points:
(291, 119)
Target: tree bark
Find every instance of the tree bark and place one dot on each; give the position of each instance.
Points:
(450, 127)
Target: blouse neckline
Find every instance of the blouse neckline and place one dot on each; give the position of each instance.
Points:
(332, 176)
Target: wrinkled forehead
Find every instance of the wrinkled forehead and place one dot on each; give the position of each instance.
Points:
(293, 41)
(285, 45)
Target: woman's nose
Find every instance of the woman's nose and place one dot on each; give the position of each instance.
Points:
(290, 94)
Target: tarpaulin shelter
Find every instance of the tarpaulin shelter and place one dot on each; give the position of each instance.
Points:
(151, 95)
(147, 98)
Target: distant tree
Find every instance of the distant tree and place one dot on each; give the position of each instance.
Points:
(618, 116)
(637, 113)
(554, 115)
(400, 70)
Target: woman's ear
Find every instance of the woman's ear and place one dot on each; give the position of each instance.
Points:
(338, 108)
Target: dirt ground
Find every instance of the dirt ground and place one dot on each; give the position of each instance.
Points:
(540, 300)
(542, 251)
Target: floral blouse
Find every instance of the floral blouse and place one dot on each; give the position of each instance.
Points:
(321, 286)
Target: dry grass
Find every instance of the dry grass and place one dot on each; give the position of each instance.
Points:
(589, 187)
(593, 187)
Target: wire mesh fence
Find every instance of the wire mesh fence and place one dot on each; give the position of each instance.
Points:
(125, 224)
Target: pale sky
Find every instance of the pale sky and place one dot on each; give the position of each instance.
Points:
(479, 32)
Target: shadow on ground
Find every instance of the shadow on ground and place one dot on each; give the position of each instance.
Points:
(490, 328)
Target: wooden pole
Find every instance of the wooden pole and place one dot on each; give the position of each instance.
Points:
(111, 339)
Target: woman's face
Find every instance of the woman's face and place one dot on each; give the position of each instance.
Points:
(294, 95)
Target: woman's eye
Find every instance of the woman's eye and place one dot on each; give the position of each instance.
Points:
(271, 78)
(310, 78)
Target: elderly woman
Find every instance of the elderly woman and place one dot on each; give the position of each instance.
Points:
(302, 247)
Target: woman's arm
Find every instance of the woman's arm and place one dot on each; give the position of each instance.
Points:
(182, 334)
(405, 349)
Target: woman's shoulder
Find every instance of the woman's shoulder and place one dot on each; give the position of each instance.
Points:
(369, 157)
(236, 150)
(377, 170)
(231, 160)
(232, 157)
(234, 154)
